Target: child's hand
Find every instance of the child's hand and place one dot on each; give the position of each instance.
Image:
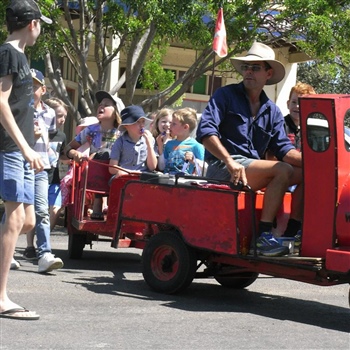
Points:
(34, 159)
(148, 137)
(37, 130)
(165, 136)
(189, 156)
(162, 139)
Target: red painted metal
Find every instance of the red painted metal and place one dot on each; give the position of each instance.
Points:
(219, 222)
(326, 178)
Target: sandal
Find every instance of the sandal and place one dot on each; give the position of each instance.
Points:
(97, 216)
(20, 313)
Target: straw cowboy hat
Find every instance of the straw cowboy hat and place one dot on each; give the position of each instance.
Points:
(262, 52)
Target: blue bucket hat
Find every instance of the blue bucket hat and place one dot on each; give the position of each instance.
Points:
(131, 114)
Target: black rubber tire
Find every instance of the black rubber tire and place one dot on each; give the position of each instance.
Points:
(76, 238)
(76, 244)
(168, 264)
(238, 280)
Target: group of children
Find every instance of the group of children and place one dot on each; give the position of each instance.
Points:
(166, 146)
(135, 142)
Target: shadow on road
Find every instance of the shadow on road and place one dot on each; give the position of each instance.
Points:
(201, 296)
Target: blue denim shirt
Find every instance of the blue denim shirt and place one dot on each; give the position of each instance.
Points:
(229, 117)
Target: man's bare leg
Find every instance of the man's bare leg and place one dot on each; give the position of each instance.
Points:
(274, 177)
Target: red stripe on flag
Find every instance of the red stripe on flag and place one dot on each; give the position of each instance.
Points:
(219, 43)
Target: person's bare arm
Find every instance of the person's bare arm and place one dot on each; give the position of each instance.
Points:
(213, 144)
(8, 122)
(115, 171)
(293, 157)
(151, 155)
(71, 152)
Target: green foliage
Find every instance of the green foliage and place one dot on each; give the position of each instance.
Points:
(326, 78)
(154, 76)
(321, 28)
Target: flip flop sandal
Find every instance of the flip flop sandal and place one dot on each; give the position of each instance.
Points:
(19, 313)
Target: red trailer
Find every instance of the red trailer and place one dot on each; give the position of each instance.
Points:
(199, 227)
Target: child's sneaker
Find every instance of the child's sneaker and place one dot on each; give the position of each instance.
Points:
(30, 254)
(49, 262)
(267, 245)
(15, 265)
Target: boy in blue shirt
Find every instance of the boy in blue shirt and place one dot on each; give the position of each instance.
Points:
(183, 153)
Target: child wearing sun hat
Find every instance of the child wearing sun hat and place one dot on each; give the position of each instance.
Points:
(134, 149)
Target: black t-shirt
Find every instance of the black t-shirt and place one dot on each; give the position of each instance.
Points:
(14, 62)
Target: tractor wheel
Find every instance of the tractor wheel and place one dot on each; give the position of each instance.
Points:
(76, 244)
(168, 264)
(238, 280)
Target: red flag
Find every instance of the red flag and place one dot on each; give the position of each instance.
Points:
(219, 43)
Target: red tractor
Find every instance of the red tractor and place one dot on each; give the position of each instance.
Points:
(192, 227)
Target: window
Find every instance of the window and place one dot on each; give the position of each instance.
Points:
(317, 129)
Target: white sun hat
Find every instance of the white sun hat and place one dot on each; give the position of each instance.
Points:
(262, 52)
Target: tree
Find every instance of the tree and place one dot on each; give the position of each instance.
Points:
(139, 28)
(326, 78)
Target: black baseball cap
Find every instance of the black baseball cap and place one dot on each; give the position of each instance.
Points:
(24, 10)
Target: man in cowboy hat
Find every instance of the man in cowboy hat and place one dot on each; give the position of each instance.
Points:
(237, 127)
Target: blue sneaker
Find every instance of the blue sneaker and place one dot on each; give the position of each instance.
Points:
(267, 245)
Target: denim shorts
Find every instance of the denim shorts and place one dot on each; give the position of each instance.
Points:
(55, 197)
(16, 178)
(217, 168)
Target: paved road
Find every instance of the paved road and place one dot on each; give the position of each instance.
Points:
(102, 302)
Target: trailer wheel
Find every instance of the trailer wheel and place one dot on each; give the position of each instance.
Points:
(76, 244)
(238, 280)
(76, 238)
(168, 264)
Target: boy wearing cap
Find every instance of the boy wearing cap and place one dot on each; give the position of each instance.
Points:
(237, 127)
(17, 157)
(44, 123)
(134, 149)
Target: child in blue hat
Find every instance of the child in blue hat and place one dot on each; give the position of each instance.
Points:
(134, 149)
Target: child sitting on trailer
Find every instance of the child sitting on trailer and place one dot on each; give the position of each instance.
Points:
(160, 129)
(184, 153)
(134, 149)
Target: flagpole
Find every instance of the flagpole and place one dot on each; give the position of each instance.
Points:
(219, 42)
(212, 77)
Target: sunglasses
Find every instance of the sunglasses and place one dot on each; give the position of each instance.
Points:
(253, 67)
